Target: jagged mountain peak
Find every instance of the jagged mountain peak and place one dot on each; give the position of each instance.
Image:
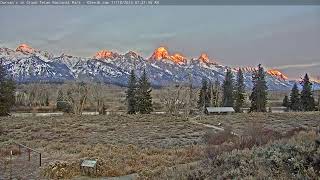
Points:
(276, 73)
(272, 72)
(105, 54)
(178, 58)
(160, 53)
(163, 53)
(165, 69)
(25, 49)
(204, 58)
(66, 55)
(6, 51)
(248, 69)
(132, 54)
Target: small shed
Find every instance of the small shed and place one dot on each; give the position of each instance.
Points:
(89, 167)
(219, 110)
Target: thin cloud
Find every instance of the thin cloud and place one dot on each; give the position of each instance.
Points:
(299, 65)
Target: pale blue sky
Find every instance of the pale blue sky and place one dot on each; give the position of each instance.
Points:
(285, 37)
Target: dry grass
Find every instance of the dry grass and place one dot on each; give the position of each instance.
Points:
(295, 158)
(254, 135)
(280, 122)
(122, 144)
(145, 144)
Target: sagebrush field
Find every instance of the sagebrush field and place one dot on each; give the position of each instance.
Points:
(150, 146)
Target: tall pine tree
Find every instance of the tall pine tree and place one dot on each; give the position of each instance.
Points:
(295, 102)
(240, 92)
(144, 99)
(213, 94)
(286, 103)
(47, 103)
(227, 98)
(131, 94)
(7, 92)
(209, 93)
(204, 98)
(307, 100)
(259, 93)
(60, 101)
(217, 88)
(318, 102)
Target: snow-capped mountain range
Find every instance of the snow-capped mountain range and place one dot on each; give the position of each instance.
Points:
(26, 64)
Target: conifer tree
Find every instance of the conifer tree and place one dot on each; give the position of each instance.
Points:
(286, 103)
(204, 99)
(217, 88)
(307, 100)
(295, 102)
(240, 92)
(60, 101)
(131, 94)
(209, 93)
(227, 99)
(47, 103)
(7, 92)
(213, 94)
(144, 99)
(259, 93)
(318, 102)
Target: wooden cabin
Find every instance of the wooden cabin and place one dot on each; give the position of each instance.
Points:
(219, 110)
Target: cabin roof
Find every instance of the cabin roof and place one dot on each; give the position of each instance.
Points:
(219, 109)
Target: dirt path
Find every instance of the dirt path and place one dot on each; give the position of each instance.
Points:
(193, 120)
(208, 125)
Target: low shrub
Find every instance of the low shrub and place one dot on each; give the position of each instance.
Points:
(1, 130)
(7, 151)
(294, 158)
(218, 138)
(255, 135)
(61, 170)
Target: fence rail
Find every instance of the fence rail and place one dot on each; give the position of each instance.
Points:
(29, 151)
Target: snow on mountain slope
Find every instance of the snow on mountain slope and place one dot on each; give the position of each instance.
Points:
(32, 68)
(26, 64)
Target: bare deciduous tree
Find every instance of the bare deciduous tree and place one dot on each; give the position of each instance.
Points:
(98, 95)
(33, 95)
(77, 94)
(174, 98)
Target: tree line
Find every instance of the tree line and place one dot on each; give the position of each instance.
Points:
(138, 95)
(233, 93)
(301, 101)
(7, 92)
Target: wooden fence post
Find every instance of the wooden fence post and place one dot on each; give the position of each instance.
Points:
(11, 164)
(40, 159)
(29, 152)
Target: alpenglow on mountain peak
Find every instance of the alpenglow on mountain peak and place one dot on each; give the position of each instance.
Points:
(162, 53)
(105, 54)
(277, 73)
(26, 64)
(24, 48)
